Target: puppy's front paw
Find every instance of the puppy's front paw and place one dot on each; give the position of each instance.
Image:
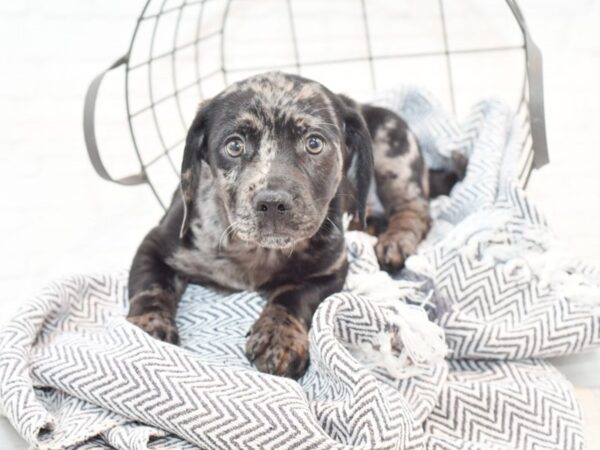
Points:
(278, 343)
(157, 324)
(394, 247)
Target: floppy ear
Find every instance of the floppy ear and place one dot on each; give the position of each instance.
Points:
(359, 166)
(193, 154)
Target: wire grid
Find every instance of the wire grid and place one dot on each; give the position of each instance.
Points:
(185, 51)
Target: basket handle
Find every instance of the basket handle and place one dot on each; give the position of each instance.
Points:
(535, 82)
(89, 130)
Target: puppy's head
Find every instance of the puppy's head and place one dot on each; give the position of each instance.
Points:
(279, 147)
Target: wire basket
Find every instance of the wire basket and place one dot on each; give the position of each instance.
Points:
(183, 51)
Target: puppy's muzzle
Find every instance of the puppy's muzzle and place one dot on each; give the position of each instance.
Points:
(273, 205)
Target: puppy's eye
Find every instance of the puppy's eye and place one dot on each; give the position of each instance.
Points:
(235, 147)
(314, 145)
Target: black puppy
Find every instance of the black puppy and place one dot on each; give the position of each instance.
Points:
(269, 168)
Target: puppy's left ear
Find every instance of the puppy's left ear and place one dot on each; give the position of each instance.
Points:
(359, 164)
(193, 154)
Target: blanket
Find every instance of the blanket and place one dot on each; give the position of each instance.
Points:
(448, 354)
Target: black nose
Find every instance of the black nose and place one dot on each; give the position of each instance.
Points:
(273, 203)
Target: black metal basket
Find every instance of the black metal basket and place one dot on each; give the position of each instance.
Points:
(183, 51)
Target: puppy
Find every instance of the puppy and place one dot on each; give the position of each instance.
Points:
(270, 166)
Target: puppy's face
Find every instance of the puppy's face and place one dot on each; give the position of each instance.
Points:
(277, 148)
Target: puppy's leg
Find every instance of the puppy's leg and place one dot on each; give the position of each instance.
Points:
(278, 341)
(442, 181)
(401, 186)
(154, 290)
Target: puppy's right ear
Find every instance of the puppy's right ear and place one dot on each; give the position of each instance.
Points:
(194, 152)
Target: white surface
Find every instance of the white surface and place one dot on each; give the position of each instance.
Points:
(57, 217)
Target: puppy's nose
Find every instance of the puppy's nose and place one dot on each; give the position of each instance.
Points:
(273, 204)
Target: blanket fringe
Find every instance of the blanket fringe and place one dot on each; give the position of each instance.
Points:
(410, 342)
(531, 254)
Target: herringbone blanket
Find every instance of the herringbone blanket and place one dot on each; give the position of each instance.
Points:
(75, 373)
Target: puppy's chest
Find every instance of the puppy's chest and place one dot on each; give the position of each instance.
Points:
(232, 264)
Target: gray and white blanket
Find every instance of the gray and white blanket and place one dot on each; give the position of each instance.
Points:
(491, 289)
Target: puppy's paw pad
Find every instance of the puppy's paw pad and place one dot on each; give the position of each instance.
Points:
(278, 343)
(158, 325)
(393, 248)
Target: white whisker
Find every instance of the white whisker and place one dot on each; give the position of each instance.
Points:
(334, 225)
(229, 231)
